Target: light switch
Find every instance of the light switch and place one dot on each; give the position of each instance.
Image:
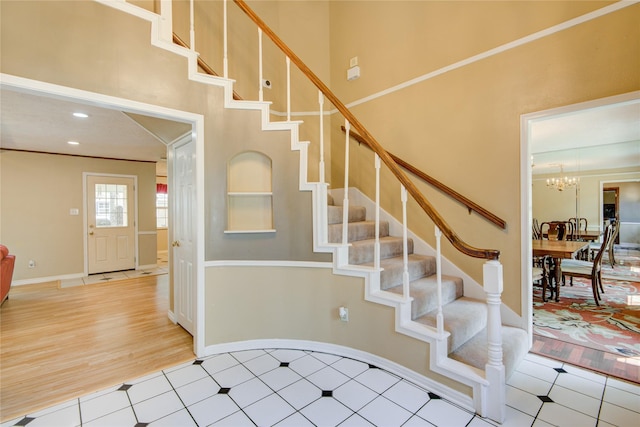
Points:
(74, 211)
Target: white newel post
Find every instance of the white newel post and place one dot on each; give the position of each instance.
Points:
(493, 286)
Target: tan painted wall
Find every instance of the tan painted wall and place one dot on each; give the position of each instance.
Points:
(463, 127)
(303, 26)
(303, 303)
(37, 192)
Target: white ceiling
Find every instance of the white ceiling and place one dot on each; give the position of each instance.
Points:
(605, 137)
(32, 122)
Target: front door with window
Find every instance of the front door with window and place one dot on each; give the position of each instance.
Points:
(110, 223)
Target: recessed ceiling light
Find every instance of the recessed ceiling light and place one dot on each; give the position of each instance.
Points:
(73, 143)
(81, 115)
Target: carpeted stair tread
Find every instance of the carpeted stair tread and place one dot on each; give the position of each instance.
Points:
(356, 213)
(393, 269)
(363, 251)
(361, 230)
(463, 318)
(515, 345)
(424, 292)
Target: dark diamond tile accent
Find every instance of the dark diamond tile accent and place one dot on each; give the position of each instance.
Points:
(284, 364)
(141, 425)
(224, 390)
(560, 370)
(146, 272)
(327, 393)
(546, 399)
(373, 366)
(198, 362)
(434, 396)
(24, 421)
(125, 387)
(106, 278)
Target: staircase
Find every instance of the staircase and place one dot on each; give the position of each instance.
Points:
(465, 318)
(458, 347)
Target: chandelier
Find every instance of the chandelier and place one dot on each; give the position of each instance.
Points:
(561, 182)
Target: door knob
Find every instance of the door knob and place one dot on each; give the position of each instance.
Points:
(175, 243)
(91, 233)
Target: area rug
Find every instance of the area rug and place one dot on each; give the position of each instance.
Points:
(627, 267)
(612, 327)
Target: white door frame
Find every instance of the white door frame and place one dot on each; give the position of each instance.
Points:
(526, 180)
(40, 88)
(85, 219)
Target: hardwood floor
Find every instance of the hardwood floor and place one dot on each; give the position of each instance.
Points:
(625, 368)
(58, 344)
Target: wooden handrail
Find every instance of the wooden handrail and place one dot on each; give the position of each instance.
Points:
(207, 69)
(491, 254)
(472, 206)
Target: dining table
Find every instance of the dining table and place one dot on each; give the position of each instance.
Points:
(558, 250)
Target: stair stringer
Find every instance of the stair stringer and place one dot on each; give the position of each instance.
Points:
(439, 361)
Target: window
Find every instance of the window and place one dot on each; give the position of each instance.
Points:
(111, 205)
(162, 206)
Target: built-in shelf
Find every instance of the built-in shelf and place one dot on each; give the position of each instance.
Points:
(249, 195)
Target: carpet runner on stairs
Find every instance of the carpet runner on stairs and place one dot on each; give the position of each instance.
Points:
(465, 318)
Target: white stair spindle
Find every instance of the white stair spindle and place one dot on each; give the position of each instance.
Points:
(439, 316)
(288, 89)
(321, 102)
(260, 93)
(225, 61)
(345, 203)
(192, 30)
(405, 250)
(376, 259)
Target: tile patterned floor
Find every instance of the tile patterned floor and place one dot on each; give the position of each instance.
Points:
(161, 268)
(304, 388)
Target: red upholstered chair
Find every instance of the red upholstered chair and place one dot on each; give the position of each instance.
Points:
(6, 272)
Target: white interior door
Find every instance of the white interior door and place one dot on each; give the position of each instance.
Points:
(110, 223)
(184, 234)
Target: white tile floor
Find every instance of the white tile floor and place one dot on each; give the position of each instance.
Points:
(304, 388)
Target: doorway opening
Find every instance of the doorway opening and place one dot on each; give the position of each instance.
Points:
(145, 115)
(594, 142)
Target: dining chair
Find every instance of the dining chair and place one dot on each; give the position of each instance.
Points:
(535, 229)
(578, 224)
(612, 241)
(540, 273)
(588, 270)
(556, 230)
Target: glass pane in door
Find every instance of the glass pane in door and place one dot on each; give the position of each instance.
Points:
(111, 205)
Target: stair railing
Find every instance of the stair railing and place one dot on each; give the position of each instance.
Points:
(492, 269)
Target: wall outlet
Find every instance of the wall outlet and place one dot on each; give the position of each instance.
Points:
(32, 263)
(343, 313)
